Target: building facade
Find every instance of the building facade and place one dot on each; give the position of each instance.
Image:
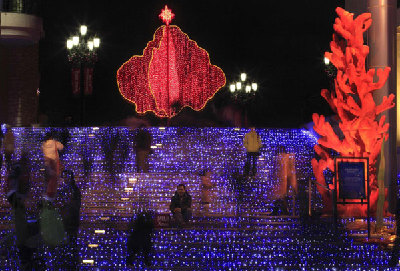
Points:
(20, 31)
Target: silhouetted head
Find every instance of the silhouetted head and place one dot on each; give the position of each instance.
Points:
(181, 189)
(144, 222)
(48, 136)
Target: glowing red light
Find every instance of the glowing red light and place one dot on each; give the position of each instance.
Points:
(166, 15)
(172, 73)
(364, 131)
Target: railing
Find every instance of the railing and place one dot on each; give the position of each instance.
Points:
(312, 187)
(307, 195)
(21, 6)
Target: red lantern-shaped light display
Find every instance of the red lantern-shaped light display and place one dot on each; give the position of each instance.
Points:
(172, 73)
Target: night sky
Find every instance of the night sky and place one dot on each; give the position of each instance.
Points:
(279, 44)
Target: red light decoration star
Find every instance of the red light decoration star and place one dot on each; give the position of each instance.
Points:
(166, 15)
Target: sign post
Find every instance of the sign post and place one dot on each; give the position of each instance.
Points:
(351, 183)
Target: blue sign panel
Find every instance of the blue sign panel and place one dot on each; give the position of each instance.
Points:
(351, 178)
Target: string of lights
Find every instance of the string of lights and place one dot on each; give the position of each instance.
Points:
(231, 240)
(173, 72)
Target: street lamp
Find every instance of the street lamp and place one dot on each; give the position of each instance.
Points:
(82, 56)
(243, 92)
(243, 76)
(330, 69)
(243, 89)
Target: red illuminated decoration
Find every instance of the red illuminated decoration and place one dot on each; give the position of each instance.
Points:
(166, 15)
(355, 107)
(172, 73)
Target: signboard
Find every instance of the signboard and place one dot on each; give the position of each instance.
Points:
(162, 220)
(351, 179)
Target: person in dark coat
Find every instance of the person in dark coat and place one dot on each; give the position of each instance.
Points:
(143, 149)
(139, 239)
(16, 190)
(70, 198)
(68, 202)
(180, 206)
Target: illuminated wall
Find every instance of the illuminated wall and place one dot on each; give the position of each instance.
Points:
(99, 151)
(228, 241)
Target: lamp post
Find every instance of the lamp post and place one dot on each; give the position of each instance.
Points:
(243, 91)
(330, 71)
(82, 56)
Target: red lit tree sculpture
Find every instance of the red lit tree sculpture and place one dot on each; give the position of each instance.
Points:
(172, 73)
(353, 102)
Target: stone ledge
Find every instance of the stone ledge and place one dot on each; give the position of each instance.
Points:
(20, 28)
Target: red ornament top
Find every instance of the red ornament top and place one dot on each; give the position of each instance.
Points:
(166, 15)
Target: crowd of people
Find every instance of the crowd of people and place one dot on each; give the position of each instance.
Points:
(55, 218)
(59, 208)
